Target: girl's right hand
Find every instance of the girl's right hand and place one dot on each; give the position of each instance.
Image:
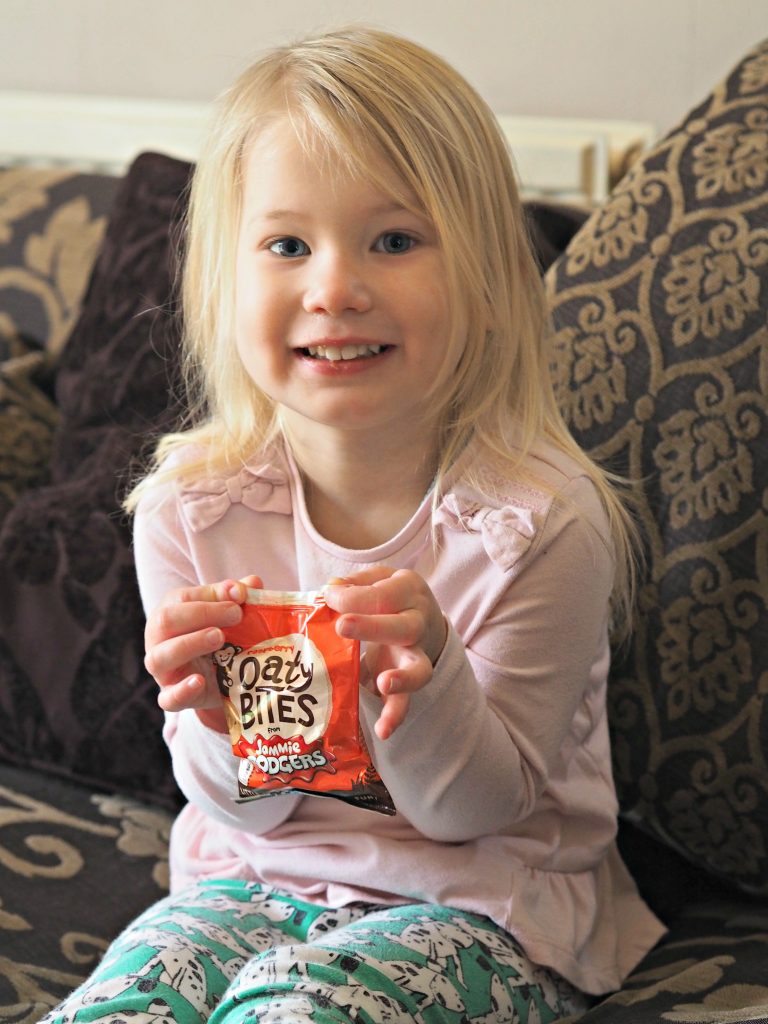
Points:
(180, 636)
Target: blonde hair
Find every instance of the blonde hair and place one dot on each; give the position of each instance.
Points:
(383, 104)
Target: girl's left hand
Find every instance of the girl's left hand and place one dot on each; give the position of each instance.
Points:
(395, 613)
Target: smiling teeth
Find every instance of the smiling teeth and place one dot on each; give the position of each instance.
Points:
(334, 353)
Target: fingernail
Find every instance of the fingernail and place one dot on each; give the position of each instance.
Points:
(214, 637)
(339, 581)
(236, 593)
(194, 683)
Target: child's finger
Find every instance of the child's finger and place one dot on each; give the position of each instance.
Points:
(191, 608)
(176, 620)
(163, 660)
(411, 671)
(405, 627)
(363, 577)
(189, 692)
(369, 592)
(224, 590)
(393, 712)
(402, 593)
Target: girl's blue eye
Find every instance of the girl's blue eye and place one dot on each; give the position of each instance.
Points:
(289, 247)
(394, 242)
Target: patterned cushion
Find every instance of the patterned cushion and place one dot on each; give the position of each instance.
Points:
(52, 222)
(712, 969)
(27, 421)
(659, 306)
(74, 695)
(75, 868)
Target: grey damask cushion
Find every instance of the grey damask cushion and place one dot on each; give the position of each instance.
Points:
(52, 222)
(659, 306)
(75, 698)
(28, 418)
(712, 969)
(75, 868)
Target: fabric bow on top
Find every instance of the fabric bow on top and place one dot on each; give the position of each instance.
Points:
(262, 489)
(506, 532)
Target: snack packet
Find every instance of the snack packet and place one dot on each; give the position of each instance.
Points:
(290, 684)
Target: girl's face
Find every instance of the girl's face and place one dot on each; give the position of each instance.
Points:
(341, 307)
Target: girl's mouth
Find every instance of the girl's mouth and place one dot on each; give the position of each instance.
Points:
(342, 353)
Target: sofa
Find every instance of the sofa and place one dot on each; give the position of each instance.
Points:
(659, 301)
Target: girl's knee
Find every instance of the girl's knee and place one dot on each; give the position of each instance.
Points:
(313, 984)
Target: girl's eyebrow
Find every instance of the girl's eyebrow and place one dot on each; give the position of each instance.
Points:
(266, 216)
(379, 209)
(276, 214)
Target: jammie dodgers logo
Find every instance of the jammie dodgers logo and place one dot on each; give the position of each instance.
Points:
(282, 689)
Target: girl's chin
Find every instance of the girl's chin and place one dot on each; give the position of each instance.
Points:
(347, 416)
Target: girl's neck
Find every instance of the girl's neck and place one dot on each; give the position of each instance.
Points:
(360, 495)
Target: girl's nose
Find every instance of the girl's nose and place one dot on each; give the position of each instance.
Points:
(336, 284)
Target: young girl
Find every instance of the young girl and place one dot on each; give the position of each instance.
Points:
(365, 341)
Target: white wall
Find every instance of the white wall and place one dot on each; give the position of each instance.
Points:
(648, 60)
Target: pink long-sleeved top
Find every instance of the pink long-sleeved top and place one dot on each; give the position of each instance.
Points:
(501, 773)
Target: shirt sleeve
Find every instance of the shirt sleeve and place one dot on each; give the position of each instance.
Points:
(206, 772)
(204, 766)
(483, 737)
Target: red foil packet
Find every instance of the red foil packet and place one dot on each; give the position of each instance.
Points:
(290, 688)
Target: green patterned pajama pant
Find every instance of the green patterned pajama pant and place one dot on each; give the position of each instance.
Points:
(229, 952)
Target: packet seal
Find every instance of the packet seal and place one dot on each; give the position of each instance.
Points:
(284, 598)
